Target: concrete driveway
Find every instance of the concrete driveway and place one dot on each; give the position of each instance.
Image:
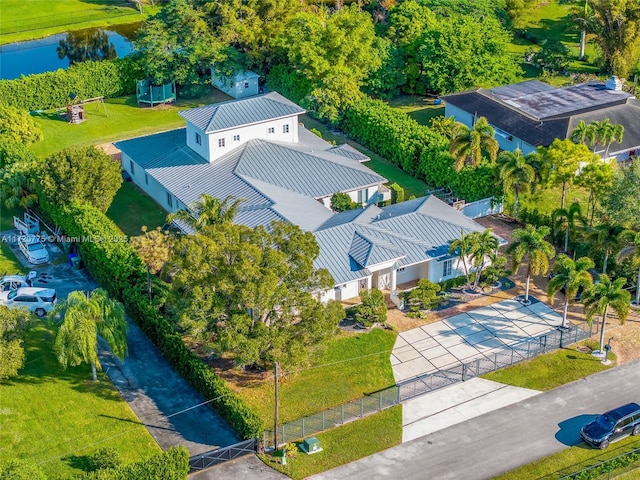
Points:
(467, 336)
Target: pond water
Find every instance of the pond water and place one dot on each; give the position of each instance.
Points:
(59, 51)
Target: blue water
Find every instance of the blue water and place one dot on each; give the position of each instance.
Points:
(38, 56)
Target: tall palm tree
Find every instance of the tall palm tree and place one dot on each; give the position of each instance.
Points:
(84, 317)
(565, 218)
(603, 130)
(209, 210)
(483, 252)
(16, 189)
(468, 144)
(463, 246)
(570, 276)
(529, 243)
(516, 173)
(603, 295)
(605, 239)
(614, 134)
(582, 133)
(632, 250)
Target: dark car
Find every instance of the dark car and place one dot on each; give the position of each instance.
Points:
(613, 425)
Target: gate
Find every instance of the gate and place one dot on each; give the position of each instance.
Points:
(220, 455)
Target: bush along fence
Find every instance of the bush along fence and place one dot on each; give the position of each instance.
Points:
(426, 383)
(116, 266)
(610, 468)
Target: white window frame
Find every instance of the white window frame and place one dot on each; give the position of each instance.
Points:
(271, 130)
(285, 128)
(169, 199)
(221, 143)
(236, 138)
(447, 267)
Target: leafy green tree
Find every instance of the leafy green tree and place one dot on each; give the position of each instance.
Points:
(177, 44)
(631, 251)
(529, 243)
(341, 202)
(84, 317)
(154, 249)
(209, 210)
(565, 219)
(569, 276)
(18, 126)
(621, 203)
(517, 174)
(468, 144)
(554, 56)
(373, 308)
(596, 177)
(13, 323)
(519, 9)
(605, 239)
(603, 295)
(84, 174)
(563, 158)
(252, 292)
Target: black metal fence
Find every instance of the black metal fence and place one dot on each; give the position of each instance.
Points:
(426, 383)
(610, 468)
(223, 454)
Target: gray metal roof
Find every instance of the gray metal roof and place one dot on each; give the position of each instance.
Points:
(245, 111)
(516, 90)
(348, 151)
(627, 115)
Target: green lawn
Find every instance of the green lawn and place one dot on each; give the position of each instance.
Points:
(27, 19)
(550, 370)
(572, 460)
(123, 119)
(547, 200)
(132, 208)
(345, 444)
(420, 108)
(411, 185)
(352, 366)
(56, 418)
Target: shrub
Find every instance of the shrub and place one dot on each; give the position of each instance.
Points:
(15, 469)
(397, 193)
(373, 308)
(424, 296)
(104, 458)
(341, 202)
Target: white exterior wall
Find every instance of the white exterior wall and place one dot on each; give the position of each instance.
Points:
(203, 148)
(367, 193)
(245, 88)
(149, 185)
(408, 274)
(236, 87)
(436, 270)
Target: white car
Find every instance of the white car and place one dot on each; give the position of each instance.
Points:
(33, 248)
(39, 300)
(14, 282)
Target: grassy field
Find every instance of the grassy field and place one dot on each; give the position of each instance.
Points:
(132, 208)
(550, 370)
(123, 119)
(352, 366)
(56, 418)
(27, 19)
(345, 444)
(420, 108)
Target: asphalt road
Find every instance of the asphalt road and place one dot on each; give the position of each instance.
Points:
(497, 442)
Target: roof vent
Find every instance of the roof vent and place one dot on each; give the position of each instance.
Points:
(614, 84)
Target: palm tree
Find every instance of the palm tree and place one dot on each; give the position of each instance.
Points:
(603, 130)
(614, 134)
(582, 133)
(84, 318)
(570, 276)
(565, 218)
(16, 188)
(468, 144)
(605, 239)
(529, 243)
(208, 210)
(463, 246)
(603, 295)
(630, 251)
(483, 252)
(516, 173)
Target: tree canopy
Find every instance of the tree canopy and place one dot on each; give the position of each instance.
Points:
(18, 126)
(13, 323)
(621, 203)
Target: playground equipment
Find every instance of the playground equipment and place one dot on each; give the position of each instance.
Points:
(75, 107)
(153, 95)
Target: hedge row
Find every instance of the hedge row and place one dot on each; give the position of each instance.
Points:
(172, 464)
(116, 266)
(109, 78)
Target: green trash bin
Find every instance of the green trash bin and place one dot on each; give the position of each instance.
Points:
(76, 262)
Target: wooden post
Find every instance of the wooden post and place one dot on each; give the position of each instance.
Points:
(275, 416)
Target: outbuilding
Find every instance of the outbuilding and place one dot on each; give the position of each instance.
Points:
(240, 85)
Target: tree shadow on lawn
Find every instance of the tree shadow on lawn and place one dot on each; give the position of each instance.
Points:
(54, 115)
(569, 433)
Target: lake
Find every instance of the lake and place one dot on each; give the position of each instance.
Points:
(59, 51)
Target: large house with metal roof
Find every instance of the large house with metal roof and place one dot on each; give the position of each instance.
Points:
(531, 114)
(255, 149)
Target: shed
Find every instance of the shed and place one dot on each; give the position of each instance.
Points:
(242, 84)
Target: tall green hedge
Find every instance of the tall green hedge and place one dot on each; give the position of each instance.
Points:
(172, 464)
(115, 265)
(109, 78)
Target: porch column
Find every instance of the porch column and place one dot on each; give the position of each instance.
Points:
(393, 281)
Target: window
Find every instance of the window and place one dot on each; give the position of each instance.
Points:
(169, 200)
(271, 130)
(285, 128)
(131, 167)
(198, 139)
(446, 268)
(246, 84)
(146, 179)
(236, 138)
(400, 269)
(221, 142)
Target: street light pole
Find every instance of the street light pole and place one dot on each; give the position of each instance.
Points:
(275, 416)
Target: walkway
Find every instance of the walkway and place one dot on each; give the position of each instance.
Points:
(466, 336)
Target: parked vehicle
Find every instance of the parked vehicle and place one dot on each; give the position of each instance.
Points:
(29, 226)
(14, 282)
(33, 248)
(613, 425)
(38, 300)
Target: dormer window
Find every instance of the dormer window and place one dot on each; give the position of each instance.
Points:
(271, 130)
(221, 142)
(198, 139)
(285, 128)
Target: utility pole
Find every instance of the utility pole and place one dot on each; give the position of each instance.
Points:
(275, 416)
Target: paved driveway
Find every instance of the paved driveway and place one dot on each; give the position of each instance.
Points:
(467, 336)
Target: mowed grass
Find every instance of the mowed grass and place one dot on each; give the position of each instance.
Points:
(55, 418)
(132, 208)
(546, 201)
(551, 369)
(380, 165)
(22, 20)
(573, 460)
(345, 444)
(420, 108)
(352, 366)
(123, 119)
